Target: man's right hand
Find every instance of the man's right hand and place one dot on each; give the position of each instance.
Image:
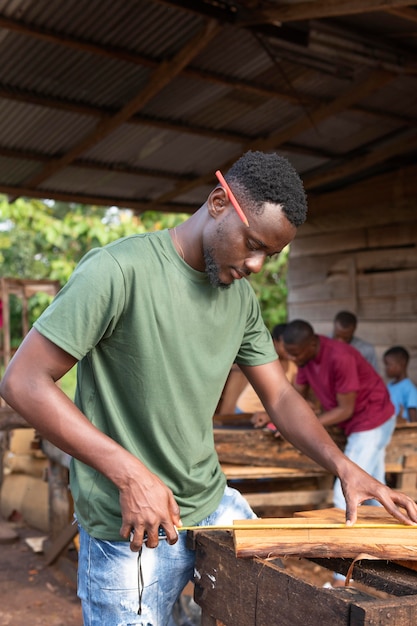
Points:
(147, 505)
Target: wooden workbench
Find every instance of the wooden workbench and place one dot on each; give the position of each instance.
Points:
(233, 591)
(276, 478)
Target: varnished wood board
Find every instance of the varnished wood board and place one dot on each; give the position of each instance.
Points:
(308, 541)
(254, 472)
(365, 514)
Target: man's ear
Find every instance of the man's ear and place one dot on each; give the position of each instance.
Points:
(217, 202)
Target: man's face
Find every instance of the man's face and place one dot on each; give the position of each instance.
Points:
(343, 334)
(233, 251)
(302, 353)
(393, 368)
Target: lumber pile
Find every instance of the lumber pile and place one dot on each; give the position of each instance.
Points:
(24, 491)
(276, 477)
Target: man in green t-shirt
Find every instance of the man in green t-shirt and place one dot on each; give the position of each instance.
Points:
(155, 323)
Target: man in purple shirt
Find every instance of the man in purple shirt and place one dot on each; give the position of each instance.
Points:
(353, 396)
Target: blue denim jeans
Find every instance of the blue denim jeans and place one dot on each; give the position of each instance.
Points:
(367, 449)
(108, 573)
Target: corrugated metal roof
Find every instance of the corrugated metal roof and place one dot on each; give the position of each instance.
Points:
(92, 105)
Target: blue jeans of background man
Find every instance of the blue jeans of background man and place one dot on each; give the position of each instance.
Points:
(367, 449)
(108, 573)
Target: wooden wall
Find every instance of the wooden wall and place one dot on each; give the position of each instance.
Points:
(358, 251)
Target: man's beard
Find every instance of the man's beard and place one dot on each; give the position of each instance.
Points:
(212, 270)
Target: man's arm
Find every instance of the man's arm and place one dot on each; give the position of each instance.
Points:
(343, 411)
(299, 425)
(302, 389)
(412, 414)
(29, 387)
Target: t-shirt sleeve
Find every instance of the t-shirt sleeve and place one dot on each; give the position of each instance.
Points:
(257, 347)
(87, 307)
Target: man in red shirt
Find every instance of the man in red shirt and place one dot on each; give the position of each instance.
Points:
(352, 395)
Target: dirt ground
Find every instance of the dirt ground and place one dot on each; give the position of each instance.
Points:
(33, 593)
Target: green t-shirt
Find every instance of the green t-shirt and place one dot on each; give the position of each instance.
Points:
(155, 343)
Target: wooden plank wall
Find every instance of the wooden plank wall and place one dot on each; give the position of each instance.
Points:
(358, 251)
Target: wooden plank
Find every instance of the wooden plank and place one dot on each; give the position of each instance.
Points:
(322, 266)
(296, 497)
(61, 543)
(289, 12)
(392, 307)
(392, 235)
(374, 285)
(345, 542)
(232, 420)
(365, 513)
(249, 472)
(10, 420)
(396, 258)
(328, 243)
(393, 611)
(388, 333)
(313, 311)
(259, 447)
(387, 308)
(335, 287)
(379, 284)
(318, 269)
(377, 194)
(364, 215)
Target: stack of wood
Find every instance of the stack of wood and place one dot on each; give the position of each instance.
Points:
(24, 491)
(277, 479)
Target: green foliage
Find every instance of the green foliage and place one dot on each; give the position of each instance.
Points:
(41, 240)
(68, 382)
(45, 241)
(270, 286)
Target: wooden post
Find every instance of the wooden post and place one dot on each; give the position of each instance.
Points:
(59, 509)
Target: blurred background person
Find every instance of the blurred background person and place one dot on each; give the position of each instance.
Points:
(402, 390)
(344, 327)
(249, 402)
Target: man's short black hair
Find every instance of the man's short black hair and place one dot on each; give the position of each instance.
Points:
(346, 319)
(297, 331)
(399, 353)
(259, 177)
(278, 331)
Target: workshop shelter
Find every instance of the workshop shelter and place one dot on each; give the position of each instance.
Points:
(136, 103)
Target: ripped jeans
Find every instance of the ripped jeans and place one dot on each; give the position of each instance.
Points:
(108, 573)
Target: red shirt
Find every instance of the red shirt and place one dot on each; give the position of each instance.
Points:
(339, 368)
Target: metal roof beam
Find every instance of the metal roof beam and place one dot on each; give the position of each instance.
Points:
(349, 166)
(354, 94)
(406, 14)
(139, 206)
(286, 12)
